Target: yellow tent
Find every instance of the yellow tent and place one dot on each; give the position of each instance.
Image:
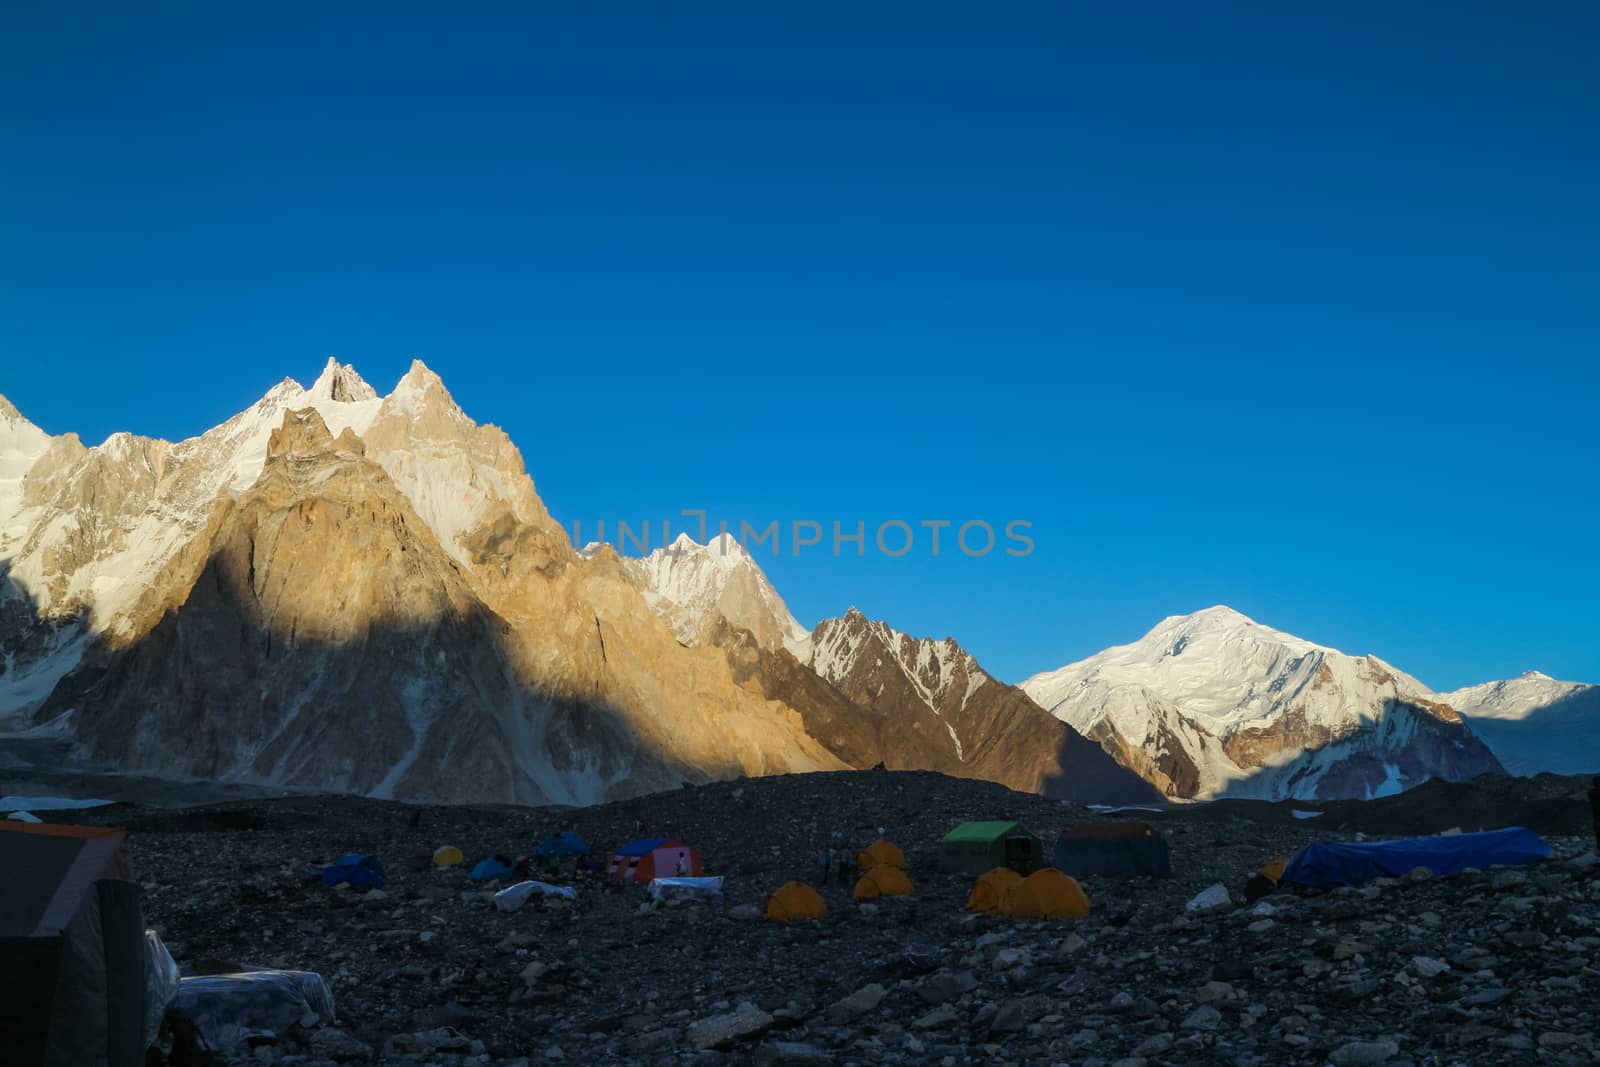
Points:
(448, 856)
(1046, 894)
(1272, 870)
(990, 889)
(793, 901)
(881, 853)
(882, 882)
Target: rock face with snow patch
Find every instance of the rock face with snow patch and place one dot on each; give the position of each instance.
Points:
(694, 586)
(1214, 704)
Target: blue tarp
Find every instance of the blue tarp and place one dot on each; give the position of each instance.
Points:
(566, 843)
(642, 847)
(1334, 863)
(361, 871)
(493, 867)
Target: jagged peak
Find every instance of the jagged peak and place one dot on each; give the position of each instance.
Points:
(420, 389)
(340, 382)
(303, 431)
(9, 412)
(1536, 676)
(723, 549)
(418, 378)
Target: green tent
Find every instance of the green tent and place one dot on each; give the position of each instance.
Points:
(975, 847)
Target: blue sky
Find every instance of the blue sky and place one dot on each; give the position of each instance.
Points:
(1293, 310)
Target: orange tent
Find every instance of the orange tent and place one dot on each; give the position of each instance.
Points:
(881, 853)
(991, 888)
(882, 882)
(794, 901)
(1272, 870)
(1046, 894)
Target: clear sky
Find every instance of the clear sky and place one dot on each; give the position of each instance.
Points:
(1290, 307)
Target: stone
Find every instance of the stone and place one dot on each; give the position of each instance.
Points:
(1501, 881)
(1428, 967)
(1009, 1017)
(940, 988)
(1008, 958)
(848, 1009)
(1212, 898)
(338, 1045)
(1346, 950)
(1475, 1033)
(724, 1031)
(939, 1018)
(790, 1054)
(1363, 1053)
(1156, 1045)
(1204, 1017)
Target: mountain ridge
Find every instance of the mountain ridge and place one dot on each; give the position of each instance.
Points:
(688, 653)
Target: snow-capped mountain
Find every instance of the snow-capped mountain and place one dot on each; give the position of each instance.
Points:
(1214, 703)
(339, 590)
(1535, 723)
(693, 585)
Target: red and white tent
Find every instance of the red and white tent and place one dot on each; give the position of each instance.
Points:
(655, 857)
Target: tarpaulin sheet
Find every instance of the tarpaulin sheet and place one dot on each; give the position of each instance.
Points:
(1334, 863)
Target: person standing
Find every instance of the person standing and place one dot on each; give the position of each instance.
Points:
(1594, 809)
(825, 857)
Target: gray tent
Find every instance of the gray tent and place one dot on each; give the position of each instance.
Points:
(1115, 850)
(72, 950)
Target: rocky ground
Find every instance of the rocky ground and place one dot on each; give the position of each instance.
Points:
(1488, 968)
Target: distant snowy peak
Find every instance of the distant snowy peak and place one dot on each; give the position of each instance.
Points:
(1535, 723)
(934, 668)
(1514, 698)
(1224, 670)
(693, 586)
(1215, 702)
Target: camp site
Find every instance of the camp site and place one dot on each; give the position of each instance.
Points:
(337, 930)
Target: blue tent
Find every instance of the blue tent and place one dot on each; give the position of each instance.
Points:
(493, 867)
(1334, 863)
(558, 846)
(361, 871)
(642, 847)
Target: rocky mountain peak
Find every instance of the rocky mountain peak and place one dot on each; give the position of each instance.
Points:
(419, 380)
(340, 382)
(303, 433)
